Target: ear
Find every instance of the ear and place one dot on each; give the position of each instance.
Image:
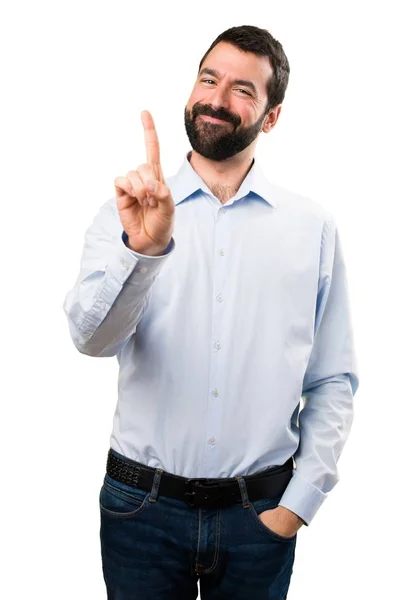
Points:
(271, 118)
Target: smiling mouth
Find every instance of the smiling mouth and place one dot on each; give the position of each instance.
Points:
(213, 120)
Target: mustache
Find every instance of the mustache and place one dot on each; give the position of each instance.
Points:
(221, 113)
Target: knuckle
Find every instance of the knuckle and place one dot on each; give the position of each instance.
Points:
(165, 192)
(144, 170)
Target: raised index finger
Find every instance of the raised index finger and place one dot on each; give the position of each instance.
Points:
(151, 140)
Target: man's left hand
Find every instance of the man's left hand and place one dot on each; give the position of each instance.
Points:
(282, 521)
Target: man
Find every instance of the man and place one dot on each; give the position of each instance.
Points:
(224, 298)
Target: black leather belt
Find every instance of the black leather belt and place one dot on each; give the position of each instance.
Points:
(199, 492)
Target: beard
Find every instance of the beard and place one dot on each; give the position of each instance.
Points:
(217, 141)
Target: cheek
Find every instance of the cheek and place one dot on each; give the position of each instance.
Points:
(247, 117)
(196, 96)
(245, 111)
(190, 104)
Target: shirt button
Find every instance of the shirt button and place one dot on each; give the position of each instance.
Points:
(143, 270)
(212, 441)
(221, 252)
(217, 345)
(102, 304)
(219, 297)
(125, 265)
(223, 211)
(215, 393)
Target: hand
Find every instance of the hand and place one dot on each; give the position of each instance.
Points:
(282, 521)
(147, 216)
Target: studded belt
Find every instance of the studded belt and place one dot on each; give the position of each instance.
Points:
(200, 492)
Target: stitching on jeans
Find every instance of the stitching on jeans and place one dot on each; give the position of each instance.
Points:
(122, 494)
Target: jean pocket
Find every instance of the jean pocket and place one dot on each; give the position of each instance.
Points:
(120, 501)
(259, 506)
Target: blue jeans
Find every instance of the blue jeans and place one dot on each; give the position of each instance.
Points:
(157, 548)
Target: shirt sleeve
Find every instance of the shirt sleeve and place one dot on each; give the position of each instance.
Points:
(329, 385)
(112, 289)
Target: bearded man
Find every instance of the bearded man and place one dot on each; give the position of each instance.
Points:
(224, 298)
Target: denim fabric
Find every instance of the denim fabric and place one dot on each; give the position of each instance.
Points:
(157, 548)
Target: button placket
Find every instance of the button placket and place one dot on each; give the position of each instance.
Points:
(215, 403)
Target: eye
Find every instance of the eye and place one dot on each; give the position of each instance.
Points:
(207, 80)
(244, 91)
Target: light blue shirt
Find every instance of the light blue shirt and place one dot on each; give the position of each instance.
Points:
(235, 347)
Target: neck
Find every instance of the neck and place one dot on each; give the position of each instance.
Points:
(223, 178)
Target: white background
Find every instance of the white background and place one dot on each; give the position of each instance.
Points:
(75, 76)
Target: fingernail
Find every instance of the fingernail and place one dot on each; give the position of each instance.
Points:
(151, 187)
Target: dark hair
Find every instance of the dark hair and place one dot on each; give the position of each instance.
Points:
(259, 41)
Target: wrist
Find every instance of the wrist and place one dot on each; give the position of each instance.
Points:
(285, 514)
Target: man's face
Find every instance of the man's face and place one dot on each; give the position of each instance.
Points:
(226, 109)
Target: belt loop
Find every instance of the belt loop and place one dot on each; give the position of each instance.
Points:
(243, 490)
(155, 486)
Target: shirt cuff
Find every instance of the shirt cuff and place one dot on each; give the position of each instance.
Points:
(169, 248)
(302, 498)
(122, 265)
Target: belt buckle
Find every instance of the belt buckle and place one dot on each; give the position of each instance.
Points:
(198, 481)
(190, 495)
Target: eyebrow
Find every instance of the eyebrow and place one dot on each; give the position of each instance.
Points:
(236, 82)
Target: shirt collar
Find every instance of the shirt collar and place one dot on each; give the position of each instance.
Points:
(187, 181)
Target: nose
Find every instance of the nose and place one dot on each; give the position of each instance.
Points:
(219, 97)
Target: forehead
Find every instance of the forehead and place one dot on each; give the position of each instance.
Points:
(233, 63)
